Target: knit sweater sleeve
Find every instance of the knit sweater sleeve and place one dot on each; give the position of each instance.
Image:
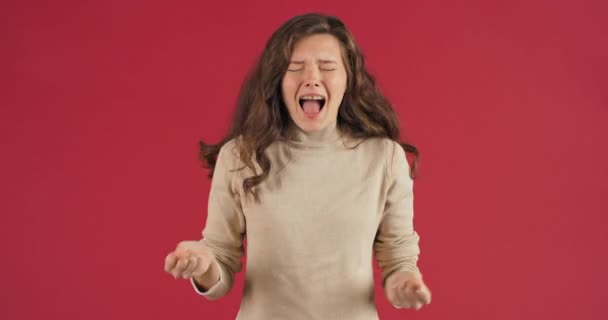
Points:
(396, 242)
(225, 227)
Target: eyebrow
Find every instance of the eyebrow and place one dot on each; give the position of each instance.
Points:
(324, 61)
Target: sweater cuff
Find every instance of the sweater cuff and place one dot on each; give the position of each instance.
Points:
(211, 290)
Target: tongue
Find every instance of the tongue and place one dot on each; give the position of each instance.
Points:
(311, 106)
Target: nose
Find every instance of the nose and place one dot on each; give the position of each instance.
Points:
(312, 78)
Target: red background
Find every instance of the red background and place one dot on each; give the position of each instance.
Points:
(103, 105)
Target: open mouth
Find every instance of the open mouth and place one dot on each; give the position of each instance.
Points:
(312, 104)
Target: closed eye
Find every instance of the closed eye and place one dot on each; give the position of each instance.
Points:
(294, 70)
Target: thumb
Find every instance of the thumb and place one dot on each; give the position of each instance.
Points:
(423, 295)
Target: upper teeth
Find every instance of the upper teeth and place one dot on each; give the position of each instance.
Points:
(312, 98)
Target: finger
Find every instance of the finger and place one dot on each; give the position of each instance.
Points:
(170, 261)
(423, 295)
(202, 266)
(402, 296)
(182, 264)
(415, 286)
(424, 298)
(409, 291)
(191, 266)
(397, 299)
(186, 266)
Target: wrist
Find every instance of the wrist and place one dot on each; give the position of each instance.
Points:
(209, 278)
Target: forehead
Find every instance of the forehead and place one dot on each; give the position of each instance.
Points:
(322, 46)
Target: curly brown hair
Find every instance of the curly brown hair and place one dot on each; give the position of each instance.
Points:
(261, 117)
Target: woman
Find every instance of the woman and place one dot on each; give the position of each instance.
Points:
(313, 174)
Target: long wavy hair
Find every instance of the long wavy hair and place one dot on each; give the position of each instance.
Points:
(261, 116)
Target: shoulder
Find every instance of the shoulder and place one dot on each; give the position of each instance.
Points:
(229, 153)
(379, 148)
(382, 146)
(231, 156)
(368, 144)
(393, 149)
(395, 157)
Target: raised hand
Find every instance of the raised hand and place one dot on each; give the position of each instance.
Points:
(192, 259)
(406, 289)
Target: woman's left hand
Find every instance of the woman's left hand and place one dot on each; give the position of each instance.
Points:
(405, 289)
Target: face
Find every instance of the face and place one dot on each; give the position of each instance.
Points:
(313, 85)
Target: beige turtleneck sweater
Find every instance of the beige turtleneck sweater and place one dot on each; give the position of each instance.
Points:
(310, 241)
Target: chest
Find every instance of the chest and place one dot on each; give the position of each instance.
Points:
(316, 197)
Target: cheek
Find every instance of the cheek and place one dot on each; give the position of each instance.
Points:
(288, 89)
(337, 84)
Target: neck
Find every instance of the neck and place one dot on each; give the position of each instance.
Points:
(327, 135)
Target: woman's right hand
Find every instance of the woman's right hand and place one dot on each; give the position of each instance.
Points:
(192, 259)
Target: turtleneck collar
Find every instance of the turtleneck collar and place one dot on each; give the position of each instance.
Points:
(326, 138)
